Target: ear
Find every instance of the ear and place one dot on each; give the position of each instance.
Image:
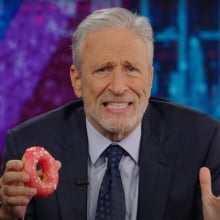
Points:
(75, 81)
(151, 75)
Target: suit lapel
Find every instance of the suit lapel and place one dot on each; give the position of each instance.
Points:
(155, 166)
(72, 190)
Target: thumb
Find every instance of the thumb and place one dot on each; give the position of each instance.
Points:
(205, 182)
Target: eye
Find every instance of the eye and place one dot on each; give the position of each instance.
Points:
(104, 69)
(131, 69)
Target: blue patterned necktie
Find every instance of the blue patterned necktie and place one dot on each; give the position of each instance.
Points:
(111, 200)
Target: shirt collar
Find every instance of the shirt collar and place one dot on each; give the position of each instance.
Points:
(98, 143)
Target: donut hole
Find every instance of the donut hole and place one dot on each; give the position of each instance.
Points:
(42, 168)
(40, 172)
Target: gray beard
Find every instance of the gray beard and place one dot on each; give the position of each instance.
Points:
(115, 125)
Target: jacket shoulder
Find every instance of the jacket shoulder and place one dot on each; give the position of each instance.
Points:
(55, 116)
(178, 113)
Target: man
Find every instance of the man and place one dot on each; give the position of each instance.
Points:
(168, 150)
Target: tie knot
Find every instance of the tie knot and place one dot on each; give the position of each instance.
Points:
(114, 154)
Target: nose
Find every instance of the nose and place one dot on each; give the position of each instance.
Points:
(118, 83)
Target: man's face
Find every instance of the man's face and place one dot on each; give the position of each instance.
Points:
(115, 81)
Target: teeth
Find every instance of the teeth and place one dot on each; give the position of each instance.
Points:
(117, 105)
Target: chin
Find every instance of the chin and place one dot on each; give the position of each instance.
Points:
(117, 125)
(119, 128)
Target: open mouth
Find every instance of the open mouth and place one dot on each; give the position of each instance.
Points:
(117, 105)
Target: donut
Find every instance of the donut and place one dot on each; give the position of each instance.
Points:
(46, 182)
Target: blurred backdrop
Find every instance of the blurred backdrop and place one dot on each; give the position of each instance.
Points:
(35, 55)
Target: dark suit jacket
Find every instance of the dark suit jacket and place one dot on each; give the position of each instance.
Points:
(175, 143)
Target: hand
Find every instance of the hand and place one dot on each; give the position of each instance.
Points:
(210, 203)
(15, 196)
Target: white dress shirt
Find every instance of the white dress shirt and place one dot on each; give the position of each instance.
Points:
(128, 167)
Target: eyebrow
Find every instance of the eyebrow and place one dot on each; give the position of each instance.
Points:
(113, 64)
(108, 63)
(126, 62)
(133, 63)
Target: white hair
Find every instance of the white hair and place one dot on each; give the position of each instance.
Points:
(111, 18)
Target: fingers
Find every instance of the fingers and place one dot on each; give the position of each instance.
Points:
(14, 165)
(13, 173)
(13, 190)
(205, 178)
(205, 182)
(14, 177)
(58, 164)
(17, 195)
(210, 203)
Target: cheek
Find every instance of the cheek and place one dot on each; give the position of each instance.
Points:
(146, 91)
(142, 88)
(91, 90)
(147, 85)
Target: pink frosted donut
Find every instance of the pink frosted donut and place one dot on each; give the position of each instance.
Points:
(47, 182)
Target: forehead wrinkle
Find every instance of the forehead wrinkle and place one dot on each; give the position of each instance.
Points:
(106, 61)
(115, 63)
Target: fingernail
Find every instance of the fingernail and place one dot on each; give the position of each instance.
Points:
(33, 191)
(25, 178)
(19, 164)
